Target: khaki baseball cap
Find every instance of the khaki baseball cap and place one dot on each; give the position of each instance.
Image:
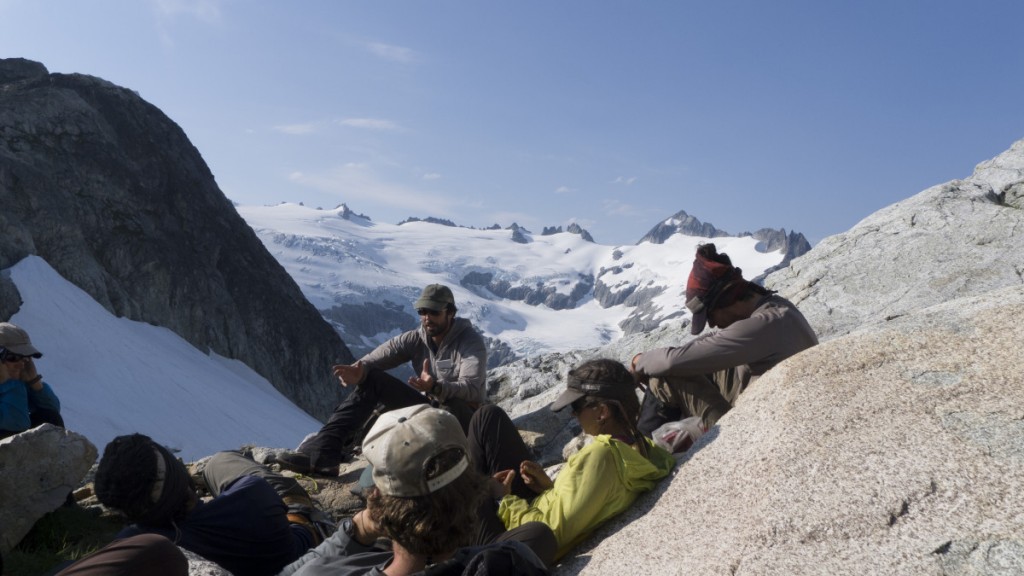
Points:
(16, 340)
(402, 442)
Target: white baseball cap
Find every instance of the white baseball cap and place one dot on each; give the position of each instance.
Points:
(402, 442)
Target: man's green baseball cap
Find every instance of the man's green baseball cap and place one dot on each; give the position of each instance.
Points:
(435, 297)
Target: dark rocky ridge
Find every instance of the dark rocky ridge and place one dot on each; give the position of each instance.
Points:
(533, 295)
(111, 193)
(573, 228)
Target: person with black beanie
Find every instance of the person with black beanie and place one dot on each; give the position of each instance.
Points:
(256, 523)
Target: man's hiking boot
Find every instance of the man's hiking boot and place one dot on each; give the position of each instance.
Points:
(303, 464)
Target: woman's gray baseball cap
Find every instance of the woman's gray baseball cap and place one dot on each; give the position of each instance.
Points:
(16, 340)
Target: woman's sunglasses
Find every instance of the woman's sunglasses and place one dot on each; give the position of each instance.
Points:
(8, 356)
(578, 405)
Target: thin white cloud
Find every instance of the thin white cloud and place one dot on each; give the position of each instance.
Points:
(564, 190)
(431, 176)
(370, 123)
(208, 11)
(391, 52)
(616, 208)
(358, 182)
(167, 11)
(297, 129)
(623, 180)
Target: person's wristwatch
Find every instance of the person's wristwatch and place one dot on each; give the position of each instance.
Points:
(436, 388)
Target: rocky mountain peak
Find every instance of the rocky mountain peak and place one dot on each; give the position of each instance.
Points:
(152, 237)
(15, 69)
(573, 228)
(791, 245)
(680, 223)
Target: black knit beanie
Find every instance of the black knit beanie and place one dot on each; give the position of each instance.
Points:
(143, 480)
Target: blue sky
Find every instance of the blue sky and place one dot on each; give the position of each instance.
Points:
(805, 115)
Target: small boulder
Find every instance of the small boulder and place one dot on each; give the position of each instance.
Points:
(38, 469)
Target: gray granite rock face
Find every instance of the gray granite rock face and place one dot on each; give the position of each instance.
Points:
(199, 566)
(896, 449)
(38, 469)
(111, 193)
(954, 240)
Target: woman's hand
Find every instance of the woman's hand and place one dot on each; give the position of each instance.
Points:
(28, 369)
(535, 477)
(501, 483)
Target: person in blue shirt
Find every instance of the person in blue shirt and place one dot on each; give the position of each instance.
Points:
(257, 522)
(25, 400)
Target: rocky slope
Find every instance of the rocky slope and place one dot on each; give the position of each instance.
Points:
(110, 192)
(896, 449)
(954, 240)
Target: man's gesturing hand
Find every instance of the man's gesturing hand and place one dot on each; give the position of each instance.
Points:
(350, 374)
(425, 382)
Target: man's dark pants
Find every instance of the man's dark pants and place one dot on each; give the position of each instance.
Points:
(331, 445)
(495, 445)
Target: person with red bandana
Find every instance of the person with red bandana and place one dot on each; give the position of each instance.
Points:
(756, 329)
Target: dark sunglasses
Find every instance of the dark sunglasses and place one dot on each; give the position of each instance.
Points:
(578, 405)
(428, 312)
(8, 356)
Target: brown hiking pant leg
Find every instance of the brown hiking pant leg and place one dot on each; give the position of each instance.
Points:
(708, 396)
(149, 554)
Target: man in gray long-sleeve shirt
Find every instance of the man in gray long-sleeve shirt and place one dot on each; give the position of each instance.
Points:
(704, 377)
(449, 358)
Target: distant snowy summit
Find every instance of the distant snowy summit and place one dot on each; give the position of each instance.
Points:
(527, 293)
(791, 245)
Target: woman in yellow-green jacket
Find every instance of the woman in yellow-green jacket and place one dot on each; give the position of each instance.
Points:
(596, 484)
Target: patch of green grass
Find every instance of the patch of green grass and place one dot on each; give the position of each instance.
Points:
(65, 534)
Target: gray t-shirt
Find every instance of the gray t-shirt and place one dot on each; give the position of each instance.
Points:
(775, 331)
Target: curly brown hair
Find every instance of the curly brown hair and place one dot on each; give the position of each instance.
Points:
(436, 523)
